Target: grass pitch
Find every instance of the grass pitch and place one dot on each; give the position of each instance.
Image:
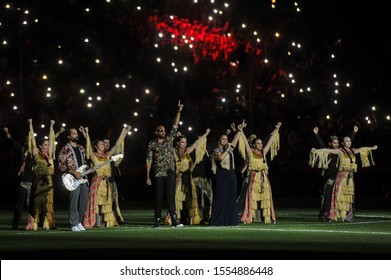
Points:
(298, 234)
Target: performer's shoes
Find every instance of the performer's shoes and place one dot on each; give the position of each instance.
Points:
(157, 223)
(175, 222)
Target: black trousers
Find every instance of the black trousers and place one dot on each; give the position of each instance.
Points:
(165, 184)
(326, 200)
(20, 206)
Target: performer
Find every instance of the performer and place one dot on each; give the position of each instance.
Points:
(71, 157)
(41, 210)
(160, 155)
(259, 191)
(224, 210)
(25, 177)
(186, 200)
(330, 173)
(100, 199)
(342, 200)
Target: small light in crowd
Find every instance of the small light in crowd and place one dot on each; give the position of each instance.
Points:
(139, 8)
(49, 89)
(173, 36)
(4, 42)
(308, 89)
(89, 98)
(160, 35)
(98, 98)
(44, 77)
(158, 59)
(7, 6)
(215, 11)
(156, 45)
(334, 75)
(59, 46)
(137, 100)
(328, 117)
(108, 1)
(293, 81)
(373, 108)
(335, 101)
(12, 94)
(223, 100)
(175, 70)
(123, 86)
(97, 84)
(181, 123)
(171, 17)
(332, 56)
(189, 128)
(277, 34)
(135, 129)
(46, 137)
(89, 105)
(42, 126)
(87, 10)
(176, 48)
(86, 40)
(237, 90)
(63, 125)
(60, 61)
(282, 95)
(135, 114)
(347, 84)
(82, 91)
(336, 84)
(226, 4)
(15, 108)
(36, 20)
(97, 61)
(243, 25)
(185, 68)
(293, 44)
(48, 94)
(24, 22)
(129, 133)
(266, 60)
(366, 118)
(117, 85)
(388, 117)
(147, 91)
(8, 82)
(195, 1)
(369, 121)
(290, 75)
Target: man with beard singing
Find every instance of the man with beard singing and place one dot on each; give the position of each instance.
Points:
(71, 157)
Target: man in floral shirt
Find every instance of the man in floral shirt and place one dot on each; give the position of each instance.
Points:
(160, 155)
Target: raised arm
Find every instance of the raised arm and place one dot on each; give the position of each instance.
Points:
(62, 129)
(320, 141)
(52, 139)
(32, 138)
(178, 115)
(271, 138)
(353, 134)
(197, 142)
(89, 148)
(121, 138)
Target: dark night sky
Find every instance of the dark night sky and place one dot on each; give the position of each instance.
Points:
(121, 37)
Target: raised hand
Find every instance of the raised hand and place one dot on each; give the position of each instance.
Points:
(180, 106)
(316, 130)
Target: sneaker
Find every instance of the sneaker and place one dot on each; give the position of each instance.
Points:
(80, 227)
(157, 223)
(176, 224)
(75, 228)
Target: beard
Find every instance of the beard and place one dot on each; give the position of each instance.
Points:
(76, 139)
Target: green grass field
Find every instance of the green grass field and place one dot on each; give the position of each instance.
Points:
(297, 235)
